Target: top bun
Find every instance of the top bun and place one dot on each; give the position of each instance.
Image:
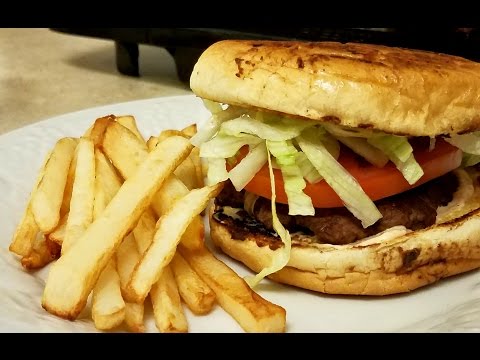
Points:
(399, 91)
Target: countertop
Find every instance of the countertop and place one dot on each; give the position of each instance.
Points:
(44, 73)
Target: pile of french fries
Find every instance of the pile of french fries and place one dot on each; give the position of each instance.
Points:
(120, 218)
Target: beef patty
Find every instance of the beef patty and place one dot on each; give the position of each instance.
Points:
(415, 209)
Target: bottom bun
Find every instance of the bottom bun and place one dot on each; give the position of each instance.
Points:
(395, 261)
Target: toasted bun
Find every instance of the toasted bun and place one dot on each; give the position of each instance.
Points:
(394, 262)
(395, 90)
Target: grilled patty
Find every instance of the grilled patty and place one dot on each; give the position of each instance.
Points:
(415, 209)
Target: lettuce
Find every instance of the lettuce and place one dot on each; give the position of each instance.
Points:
(282, 255)
(469, 143)
(361, 147)
(246, 169)
(309, 172)
(225, 146)
(344, 184)
(279, 129)
(298, 202)
(213, 124)
(217, 171)
(400, 152)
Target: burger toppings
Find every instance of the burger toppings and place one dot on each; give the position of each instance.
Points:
(414, 209)
(325, 173)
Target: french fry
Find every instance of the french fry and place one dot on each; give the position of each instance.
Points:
(129, 122)
(67, 193)
(134, 317)
(252, 312)
(98, 130)
(47, 199)
(127, 257)
(25, 234)
(108, 306)
(189, 171)
(81, 205)
(200, 175)
(126, 153)
(144, 230)
(44, 251)
(73, 276)
(167, 133)
(193, 290)
(167, 307)
(58, 234)
(152, 142)
(190, 130)
(187, 174)
(118, 144)
(107, 176)
(170, 228)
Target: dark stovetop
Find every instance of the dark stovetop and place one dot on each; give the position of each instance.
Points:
(186, 44)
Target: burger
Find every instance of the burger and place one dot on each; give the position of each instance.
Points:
(348, 168)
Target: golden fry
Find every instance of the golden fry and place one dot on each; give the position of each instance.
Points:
(130, 123)
(25, 234)
(167, 307)
(43, 253)
(83, 193)
(108, 306)
(190, 130)
(134, 317)
(252, 312)
(47, 199)
(152, 142)
(144, 230)
(73, 276)
(126, 152)
(98, 130)
(58, 234)
(170, 228)
(127, 257)
(198, 296)
(168, 133)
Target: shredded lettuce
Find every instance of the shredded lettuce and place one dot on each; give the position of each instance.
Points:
(277, 130)
(212, 106)
(400, 152)
(410, 169)
(281, 256)
(392, 144)
(470, 159)
(213, 124)
(217, 171)
(306, 167)
(370, 153)
(241, 174)
(344, 184)
(225, 146)
(469, 143)
(299, 203)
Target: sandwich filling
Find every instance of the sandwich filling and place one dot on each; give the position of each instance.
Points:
(414, 209)
(333, 183)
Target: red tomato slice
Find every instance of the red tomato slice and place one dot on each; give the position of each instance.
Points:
(377, 183)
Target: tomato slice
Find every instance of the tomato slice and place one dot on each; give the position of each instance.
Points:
(377, 183)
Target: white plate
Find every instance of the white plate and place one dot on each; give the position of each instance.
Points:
(450, 305)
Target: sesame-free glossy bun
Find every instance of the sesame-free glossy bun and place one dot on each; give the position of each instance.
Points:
(407, 92)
